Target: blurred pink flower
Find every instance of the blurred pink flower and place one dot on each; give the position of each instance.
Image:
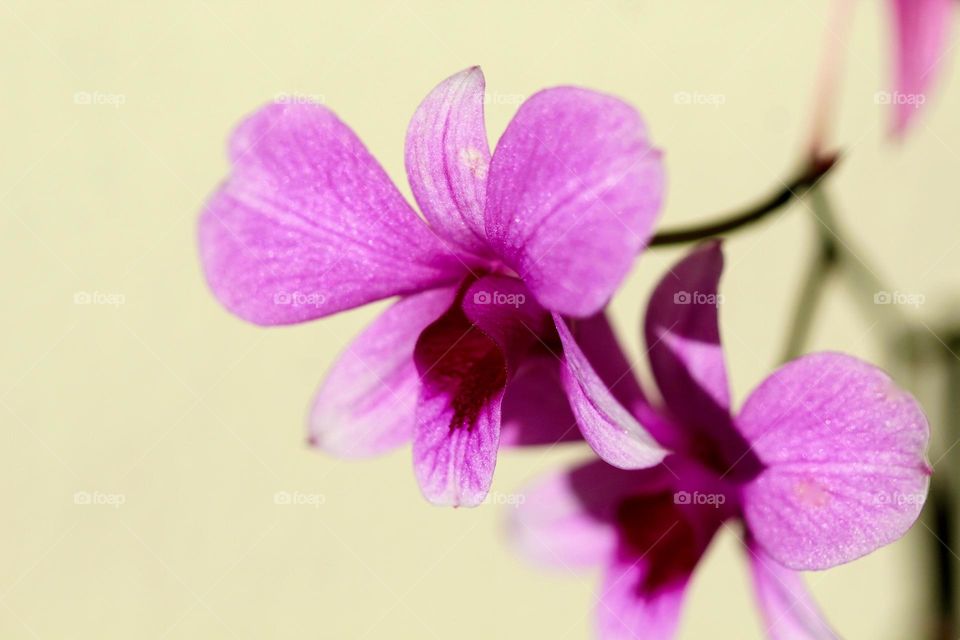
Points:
(921, 44)
(309, 224)
(824, 463)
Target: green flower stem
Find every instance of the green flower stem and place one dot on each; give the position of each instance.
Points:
(808, 302)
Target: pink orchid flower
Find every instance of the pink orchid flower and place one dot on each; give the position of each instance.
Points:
(921, 43)
(309, 224)
(824, 463)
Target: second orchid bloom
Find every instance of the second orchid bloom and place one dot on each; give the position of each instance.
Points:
(824, 463)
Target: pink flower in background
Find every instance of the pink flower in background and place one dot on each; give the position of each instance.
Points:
(824, 463)
(309, 224)
(921, 43)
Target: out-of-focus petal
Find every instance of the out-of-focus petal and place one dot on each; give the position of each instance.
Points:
(447, 159)
(921, 28)
(309, 224)
(367, 402)
(788, 610)
(607, 426)
(844, 451)
(465, 359)
(535, 408)
(569, 519)
(573, 192)
(554, 527)
(682, 332)
(642, 591)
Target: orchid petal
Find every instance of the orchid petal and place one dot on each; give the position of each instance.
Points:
(537, 415)
(627, 611)
(569, 520)
(643, 588)
(309, 224)
(599, 343)
(555, 526)
(597, 339)
(366, 404)
(844, 454)
(573, 192)
(789, 612)
(465, 359)
(606, 425)
(447, 159)
(682, 331)
(921, 28)
(535, 407)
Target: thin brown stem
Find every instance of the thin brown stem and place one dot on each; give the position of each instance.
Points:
(796, 187)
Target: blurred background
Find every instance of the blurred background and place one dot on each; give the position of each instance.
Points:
(147, 433)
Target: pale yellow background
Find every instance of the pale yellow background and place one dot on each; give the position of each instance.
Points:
(196, 418)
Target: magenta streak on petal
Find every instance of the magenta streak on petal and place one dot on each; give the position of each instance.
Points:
(644, 526)
(643, 588)
(309, 224)
(367, 402)
(457, 432)
(465, 360)
(655, 526)
(572, 195)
